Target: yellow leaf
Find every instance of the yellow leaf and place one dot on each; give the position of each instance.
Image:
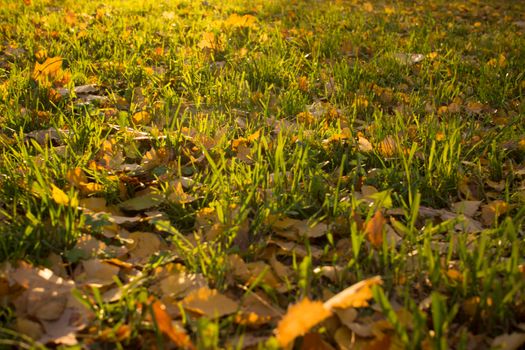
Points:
(90, 188)
(61, 198)
(356, 295)
(299, 319)
(210, 41)
(50, 68)
(142, 118)
(246, 21)
(374, 229)
(255, 136)
(368, 7)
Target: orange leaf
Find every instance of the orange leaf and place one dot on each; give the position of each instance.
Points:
(163, 321)
(374, 229)
(356, 295)
(387, 147)
(76, 176)
(299, 319)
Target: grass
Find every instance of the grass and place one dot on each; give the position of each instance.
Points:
(325, 112)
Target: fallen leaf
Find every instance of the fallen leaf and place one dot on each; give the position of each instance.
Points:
(164, 324)
(144, 245)
(356, 295)
(98, 273)
(141, 118)
(491, 211)
(146, 201)
(180, 283)
(63, 330)
(468, 208)
(387, 147)
(512, 341)
(343, 338)
(49, 69)
(245, 21)
(257, 310)
(28, 327)
(96, 204)
(364, 145)
(314, 341)
(210, 303)
(61, 198)
(299, 319)
(179, 196)
(374, 229)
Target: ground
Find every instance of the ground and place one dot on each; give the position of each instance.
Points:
(262, 174)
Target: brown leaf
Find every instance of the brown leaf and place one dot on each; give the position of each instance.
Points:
(257, 310)
(511, 341)
(468, 208)
(180, 283)
(144, 245)
(314, 341)
(491, 211)
(146, 201)
(28, 327)
(98, 273)
(210, 303)
(299, 319)
(374, 229)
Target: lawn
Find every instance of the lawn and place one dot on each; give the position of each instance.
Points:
(262, 174)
